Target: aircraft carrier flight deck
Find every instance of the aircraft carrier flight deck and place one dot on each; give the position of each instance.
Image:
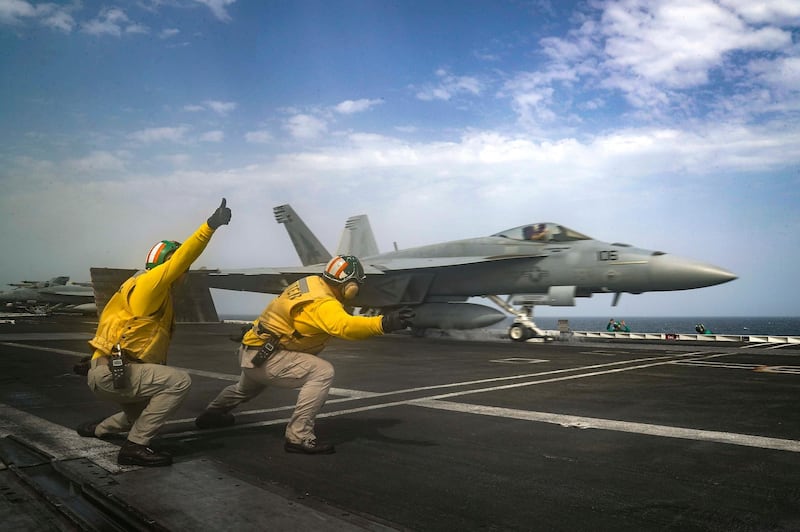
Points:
(431, 434)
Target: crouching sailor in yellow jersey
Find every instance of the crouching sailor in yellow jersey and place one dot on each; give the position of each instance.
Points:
(128, 366)
(281, 347)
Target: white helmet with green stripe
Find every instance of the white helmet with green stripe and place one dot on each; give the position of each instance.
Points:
(160, 253)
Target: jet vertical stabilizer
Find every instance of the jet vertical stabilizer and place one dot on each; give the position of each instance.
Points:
(357, 238)
(308, 247)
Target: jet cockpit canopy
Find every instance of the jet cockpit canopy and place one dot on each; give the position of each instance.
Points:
(543, 232)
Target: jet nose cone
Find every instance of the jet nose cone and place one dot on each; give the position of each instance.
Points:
(669, 272)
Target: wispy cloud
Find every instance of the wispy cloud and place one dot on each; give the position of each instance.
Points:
(258, 137)
(217, 7)
(14, 12)
(212, 136)
(219, 107)
(169, 33)
(449, 86)
(305, 126)
(112, 21)
(97, 162)
(355, 106)
(660, 56)
(159, 134)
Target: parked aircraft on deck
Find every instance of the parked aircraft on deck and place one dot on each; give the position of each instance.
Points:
(47, 296)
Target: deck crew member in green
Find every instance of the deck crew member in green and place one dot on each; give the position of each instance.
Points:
(138, 322)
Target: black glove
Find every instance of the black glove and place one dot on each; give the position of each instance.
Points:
(220, 217)
(83, 367)
(398, 319)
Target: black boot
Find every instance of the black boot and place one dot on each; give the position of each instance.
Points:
(134, 454)
(211, 419)
(87, 429)
(310, 446)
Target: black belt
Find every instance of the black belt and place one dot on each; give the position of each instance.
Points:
(105, 360)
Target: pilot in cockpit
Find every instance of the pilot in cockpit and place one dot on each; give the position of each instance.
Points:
(535, 232)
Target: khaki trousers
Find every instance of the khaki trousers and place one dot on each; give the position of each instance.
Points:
(155, 392)
(285, 369)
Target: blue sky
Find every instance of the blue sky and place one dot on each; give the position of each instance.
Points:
(670, 125)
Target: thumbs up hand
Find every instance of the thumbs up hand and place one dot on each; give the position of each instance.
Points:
(222, 216)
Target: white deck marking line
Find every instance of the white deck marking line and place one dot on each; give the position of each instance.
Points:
(711, 364)
(48, 349)
(351, 395)
(413, 401)
(58, 441)
(780, 346)
(732, 438)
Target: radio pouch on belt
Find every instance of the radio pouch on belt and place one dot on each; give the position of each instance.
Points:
(266, 351)
(117, 367)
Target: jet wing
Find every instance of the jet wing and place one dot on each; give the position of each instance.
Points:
(263, 280)
(390, 281)
(385, 264)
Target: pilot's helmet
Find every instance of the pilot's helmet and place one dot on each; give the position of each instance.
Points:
(342, 269)
(160, 253)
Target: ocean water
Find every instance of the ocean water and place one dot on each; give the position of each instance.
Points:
(776, 326)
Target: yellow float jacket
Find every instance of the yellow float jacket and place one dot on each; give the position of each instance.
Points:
(307, 315)
(140, 315)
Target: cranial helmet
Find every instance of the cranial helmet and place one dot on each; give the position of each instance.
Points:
(160, 253)
(344, 268)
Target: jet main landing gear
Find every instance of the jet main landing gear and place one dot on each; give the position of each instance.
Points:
(523, 328)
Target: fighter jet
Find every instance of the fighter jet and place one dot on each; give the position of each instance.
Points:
(541, 263)
(47, 296)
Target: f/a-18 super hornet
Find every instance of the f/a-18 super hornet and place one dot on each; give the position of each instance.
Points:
(533, 264)
(47, 296)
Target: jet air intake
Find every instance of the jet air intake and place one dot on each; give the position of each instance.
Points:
(556, 296)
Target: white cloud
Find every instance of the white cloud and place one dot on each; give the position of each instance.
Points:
(677, 43)
(355, 106)
(635, 153)
(217, 7)
(783, 72)
(778, 12)
(159, 134)
(49, 15)
(304, 126)
(532, 93)
(221, 108)
(112, 21)
(97, 162)
(258, 137)
(12, 10)
(56, 17)
(212, 136)
(168, 33)
(450, 86)
(660, 55)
